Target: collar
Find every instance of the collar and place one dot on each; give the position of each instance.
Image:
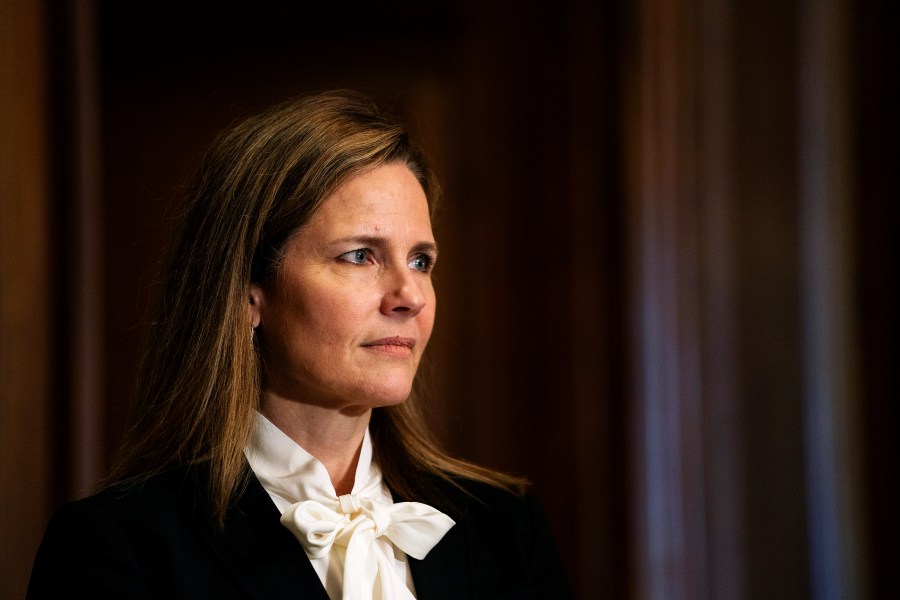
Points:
(290, 474)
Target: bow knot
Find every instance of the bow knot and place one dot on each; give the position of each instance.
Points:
(357, 524)
(350, 504)
(413, 527)
(359, 533)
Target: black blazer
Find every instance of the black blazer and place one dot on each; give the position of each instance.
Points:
(158, 542)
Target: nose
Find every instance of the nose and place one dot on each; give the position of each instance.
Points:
(403, 294)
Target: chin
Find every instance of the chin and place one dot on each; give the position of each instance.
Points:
(392, 399)
(390, 395)
(390, 388)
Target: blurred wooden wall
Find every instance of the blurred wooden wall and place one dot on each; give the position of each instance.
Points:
(26, 284)
(662, 289)
(754, 175)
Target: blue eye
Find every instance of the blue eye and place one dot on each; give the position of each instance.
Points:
(356, 257)
(422, 262)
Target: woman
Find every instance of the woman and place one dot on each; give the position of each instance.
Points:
(276, 449)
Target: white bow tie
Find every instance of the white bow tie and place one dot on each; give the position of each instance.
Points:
(358, 524)
(366, 527)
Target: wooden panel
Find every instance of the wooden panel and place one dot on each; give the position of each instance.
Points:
(79, 172)
(25, 286)
(747, 451)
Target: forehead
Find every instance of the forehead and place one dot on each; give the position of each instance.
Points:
(387, 199)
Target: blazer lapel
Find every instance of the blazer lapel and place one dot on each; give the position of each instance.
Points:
(266, 559)
(444, 573)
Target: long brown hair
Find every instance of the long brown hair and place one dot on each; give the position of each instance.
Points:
(199, 382)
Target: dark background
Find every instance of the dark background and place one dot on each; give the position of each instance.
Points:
(663, 290)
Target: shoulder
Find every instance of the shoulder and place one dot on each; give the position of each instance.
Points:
(108, 544)
(509, 541)
(505, 514)
(135, 508)
(122, 503)
(470, 499)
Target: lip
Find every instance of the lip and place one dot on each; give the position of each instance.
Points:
(395, 345)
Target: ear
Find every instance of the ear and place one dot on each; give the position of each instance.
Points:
(254, 302)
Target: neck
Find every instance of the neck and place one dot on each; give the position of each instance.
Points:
(333, 437)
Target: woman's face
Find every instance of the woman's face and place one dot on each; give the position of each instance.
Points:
(349, 315)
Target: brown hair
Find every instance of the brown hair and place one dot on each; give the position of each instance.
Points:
(199, 382)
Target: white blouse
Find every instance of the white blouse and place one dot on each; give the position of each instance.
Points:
(367, 521)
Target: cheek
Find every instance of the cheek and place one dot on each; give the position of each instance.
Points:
(293, 316)
(337, 316)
